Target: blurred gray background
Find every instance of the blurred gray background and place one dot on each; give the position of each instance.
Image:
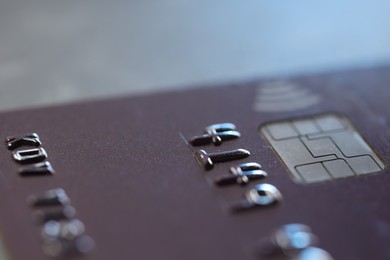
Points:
(60, 51)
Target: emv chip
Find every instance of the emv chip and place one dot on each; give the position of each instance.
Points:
(321, 148)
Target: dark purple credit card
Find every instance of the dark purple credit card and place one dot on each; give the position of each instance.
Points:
(289, 168)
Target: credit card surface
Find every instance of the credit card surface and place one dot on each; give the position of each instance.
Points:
(293, 168)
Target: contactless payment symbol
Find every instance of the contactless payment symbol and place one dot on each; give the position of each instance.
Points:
(321, 148)
(284, 96)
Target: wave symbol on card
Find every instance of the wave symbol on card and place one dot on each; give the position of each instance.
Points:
(284, 96)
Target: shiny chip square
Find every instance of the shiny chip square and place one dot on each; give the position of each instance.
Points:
(321, 148)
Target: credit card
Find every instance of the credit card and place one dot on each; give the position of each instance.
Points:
(284, 168)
